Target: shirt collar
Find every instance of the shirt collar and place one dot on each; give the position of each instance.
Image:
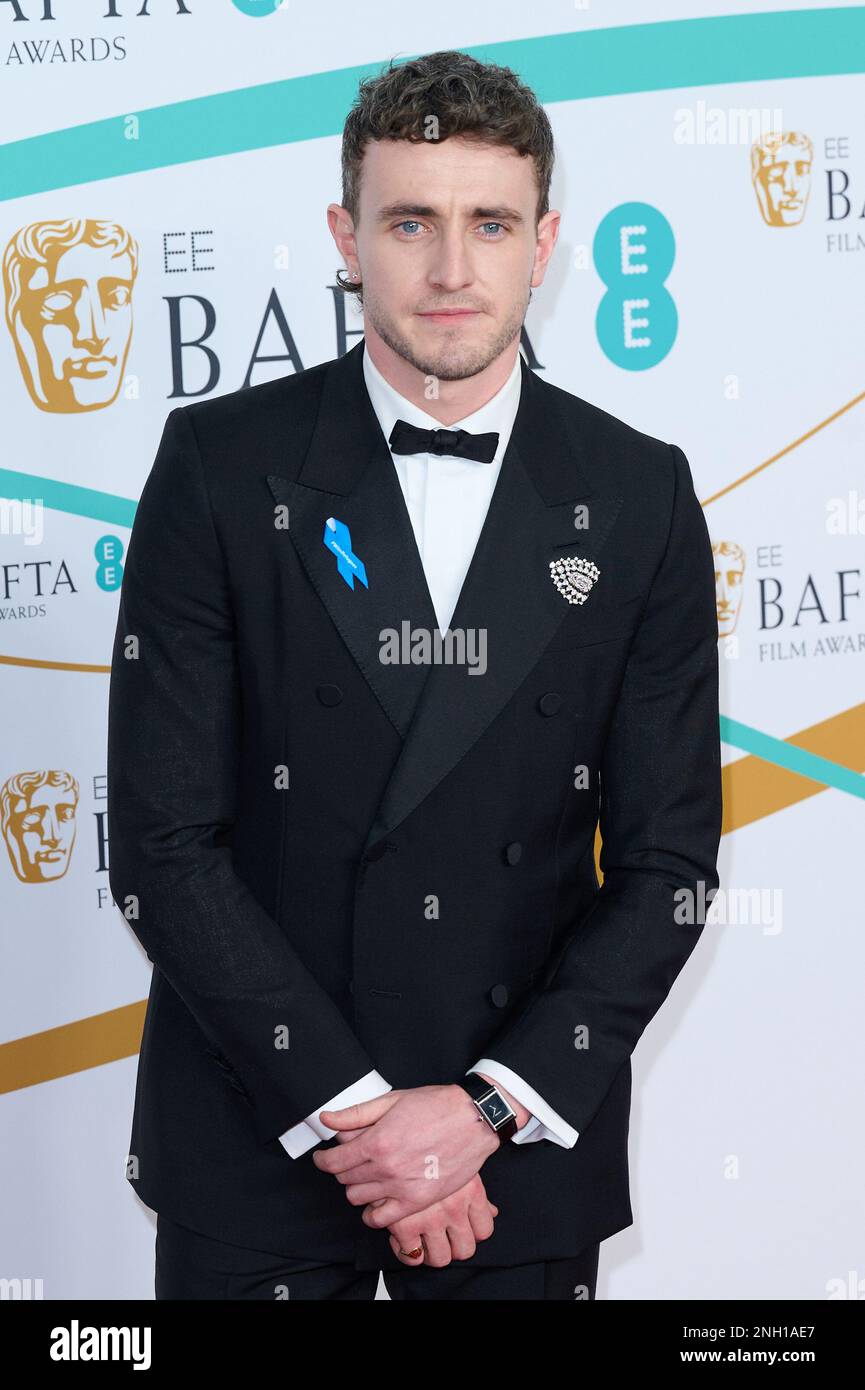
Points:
(497, 414)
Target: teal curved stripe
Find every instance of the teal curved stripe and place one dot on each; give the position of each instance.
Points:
(87, 502)
(775, 750)
(559, 67)
(120, 511)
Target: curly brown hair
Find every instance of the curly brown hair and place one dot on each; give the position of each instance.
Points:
(449, 93)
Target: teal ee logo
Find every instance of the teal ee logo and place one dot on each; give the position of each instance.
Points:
(109, 571)
(633, 251)
(256, 9)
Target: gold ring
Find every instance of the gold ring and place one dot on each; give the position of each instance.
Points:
(412, 1254)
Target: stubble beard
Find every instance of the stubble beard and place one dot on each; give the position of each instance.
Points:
(454, 362)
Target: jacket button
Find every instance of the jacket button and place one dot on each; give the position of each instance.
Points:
(329, 694)
(550, 703)
(514, 852)
(499, 996)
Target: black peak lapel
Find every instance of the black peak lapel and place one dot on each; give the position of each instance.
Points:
(508, 598)
(348, 474)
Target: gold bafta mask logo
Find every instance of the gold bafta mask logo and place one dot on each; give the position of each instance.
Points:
(729, 574)
(781, 175)
(37, 811)
(68, 288)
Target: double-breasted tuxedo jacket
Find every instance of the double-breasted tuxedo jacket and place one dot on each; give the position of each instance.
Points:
(285, 805)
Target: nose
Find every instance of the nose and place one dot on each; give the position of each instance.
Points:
(451, 268)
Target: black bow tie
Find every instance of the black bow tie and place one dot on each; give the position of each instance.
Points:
(408, 439)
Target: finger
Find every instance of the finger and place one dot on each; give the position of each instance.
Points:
(351, 1153)
(373, 1195)
(366, 1112)
(462, 1239)
(345, 1135)
(437, 1247)
(481, 1219)
(371, 1206)
(386, 1213)
(409, 1242)
(364, 1173)
(393, 1209)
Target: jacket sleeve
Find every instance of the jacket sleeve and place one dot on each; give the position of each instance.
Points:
(660, 820)
(173, 745)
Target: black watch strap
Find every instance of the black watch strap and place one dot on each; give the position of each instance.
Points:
(491, 1103)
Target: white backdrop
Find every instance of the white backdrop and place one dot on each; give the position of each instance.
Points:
(747, 1126)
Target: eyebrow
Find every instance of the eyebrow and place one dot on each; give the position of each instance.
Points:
(496, 214)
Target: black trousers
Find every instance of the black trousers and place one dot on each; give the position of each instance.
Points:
(192, 1265)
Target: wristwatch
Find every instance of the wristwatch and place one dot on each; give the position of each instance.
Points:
(491, 1104)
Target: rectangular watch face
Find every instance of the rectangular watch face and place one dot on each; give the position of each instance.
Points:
(496, 1110)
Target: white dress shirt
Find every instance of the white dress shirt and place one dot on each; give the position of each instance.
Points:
(447, 500)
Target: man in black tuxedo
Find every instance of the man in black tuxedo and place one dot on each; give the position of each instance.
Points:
(396, 634)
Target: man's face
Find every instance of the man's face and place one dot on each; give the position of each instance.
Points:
(449, 226)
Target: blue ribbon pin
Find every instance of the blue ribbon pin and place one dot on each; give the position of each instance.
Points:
(337, 538)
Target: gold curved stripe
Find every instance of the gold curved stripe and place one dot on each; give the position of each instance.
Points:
(753, 789)
(54, 665)
(786, 450)
(88, 1042)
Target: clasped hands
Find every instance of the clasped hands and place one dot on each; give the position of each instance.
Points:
(411, 1158)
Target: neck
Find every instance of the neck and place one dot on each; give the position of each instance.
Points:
(456, 399)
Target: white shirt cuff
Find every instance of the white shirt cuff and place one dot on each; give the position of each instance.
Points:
(306, 1133)
(545, 1123)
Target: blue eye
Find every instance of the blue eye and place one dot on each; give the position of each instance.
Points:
(409, 223)
(493, 224)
